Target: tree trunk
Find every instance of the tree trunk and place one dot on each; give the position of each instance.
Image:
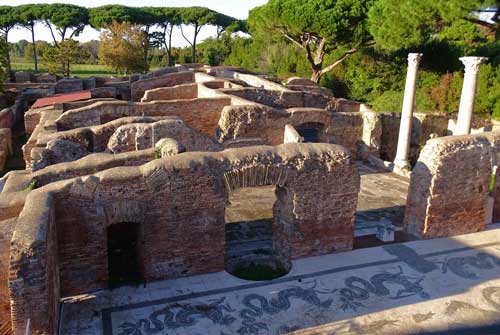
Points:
(9, 68)
(34, 46)
(169, 49)
(316, 75)
(146, 44)
(196, 31)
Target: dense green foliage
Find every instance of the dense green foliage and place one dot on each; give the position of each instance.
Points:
(442, 30)
(59, 59)
(335, 28)
(399, 24)
(66, 20)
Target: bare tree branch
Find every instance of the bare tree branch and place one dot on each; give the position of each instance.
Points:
(182, 33)
(52, 33)
(289, 37)
(343, 57)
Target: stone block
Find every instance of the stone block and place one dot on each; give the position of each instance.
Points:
(104, 92)
(24, 77)
(69, 85)
(297, 81)
(46, 78)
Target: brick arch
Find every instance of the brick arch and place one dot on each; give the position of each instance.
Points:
(256, 175)
(124, 211)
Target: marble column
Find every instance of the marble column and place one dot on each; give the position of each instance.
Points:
(469, 89)
(404, 138)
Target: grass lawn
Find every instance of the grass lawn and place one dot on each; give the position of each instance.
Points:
(77, 70)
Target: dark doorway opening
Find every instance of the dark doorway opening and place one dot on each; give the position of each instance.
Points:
(311, 132)
(123, 256)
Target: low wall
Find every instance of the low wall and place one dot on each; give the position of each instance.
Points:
(281, 99)
(202, 114)
(179, 92)
(449, 185)
(138, 88)
(260, 82)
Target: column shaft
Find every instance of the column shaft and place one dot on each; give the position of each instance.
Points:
(467, 99)
(404, 138)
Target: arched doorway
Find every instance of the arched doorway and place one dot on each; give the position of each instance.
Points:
(123, 254)
(251, 250)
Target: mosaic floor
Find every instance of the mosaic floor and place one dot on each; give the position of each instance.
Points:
(442, 286)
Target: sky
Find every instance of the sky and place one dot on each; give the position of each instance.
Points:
(236, 8)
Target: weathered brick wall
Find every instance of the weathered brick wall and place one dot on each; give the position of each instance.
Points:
(268, 124)
(138, 88)
(259, 81)
(6, 118)
(422, 126)
(32, 118)
(494, 139)
(259, 121)
(13, 196)
(69, 85)
(11, 204)
(182, 197)
(140, 136)
(65, 106)
(346, 129)
(6, 230)
(186, 91)
(372, 134)
(202, 114)
(449, 186)
(281, 99)
(389, 139)
(5, 146)
(33, 272)
(96, 138)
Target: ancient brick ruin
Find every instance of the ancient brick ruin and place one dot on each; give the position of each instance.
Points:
(159, 154)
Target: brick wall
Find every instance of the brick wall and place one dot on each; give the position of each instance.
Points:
(268, 124)
(422, 126)
(33, 271)
(179, 204)
(138, 88)
(281, 99)
(186, 91)
(202, 114)
(449, 186)
(140, 136)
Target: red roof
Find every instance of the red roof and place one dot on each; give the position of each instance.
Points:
(59, 98)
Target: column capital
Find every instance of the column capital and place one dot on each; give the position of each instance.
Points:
(414, 59)
(472, 63)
